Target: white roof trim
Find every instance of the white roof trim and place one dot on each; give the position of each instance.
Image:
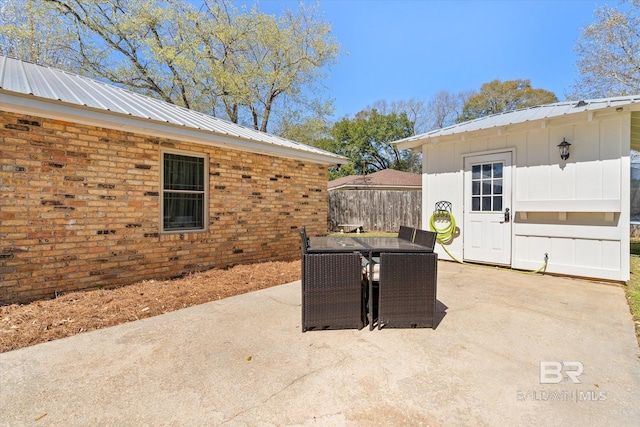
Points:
(32, 89)
(84, 115)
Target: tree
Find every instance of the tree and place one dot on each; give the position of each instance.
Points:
(365, 140)
(500, 97)
(136, 44)
(257, 59)
(240, 65)
(609, 53)
(25, 33)
(311, 127)
(445, 107)
(416, 110)
(441, 110)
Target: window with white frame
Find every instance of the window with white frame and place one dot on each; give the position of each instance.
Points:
(486, 187)
(184, 191)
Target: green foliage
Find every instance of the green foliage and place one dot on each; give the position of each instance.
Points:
(312, 126)
(609, 53)
(210, 57)
(365, 140)
(632, 288)
(500, 97)
(25, 33)
(342, 171)
(416, 110)
(633, 285)
(256, 59)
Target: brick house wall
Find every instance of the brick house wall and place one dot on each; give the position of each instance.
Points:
(79, 208)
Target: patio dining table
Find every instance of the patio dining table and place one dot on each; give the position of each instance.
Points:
(362, 244)
(406, 283)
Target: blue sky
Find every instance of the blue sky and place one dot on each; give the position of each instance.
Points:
(403, 49)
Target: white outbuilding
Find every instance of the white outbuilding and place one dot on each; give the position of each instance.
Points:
(517, 198)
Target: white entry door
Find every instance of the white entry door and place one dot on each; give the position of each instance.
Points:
(487, 208)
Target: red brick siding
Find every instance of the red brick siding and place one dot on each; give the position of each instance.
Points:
(79, 209)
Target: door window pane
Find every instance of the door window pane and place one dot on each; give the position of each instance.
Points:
(475, 188)
(486, 171)
(497, 170)
(475, 204)
(497, 203)
(497, 186)
(486, 187)
(475, 172)
(486, 203)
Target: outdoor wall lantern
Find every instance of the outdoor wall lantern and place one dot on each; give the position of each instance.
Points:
(564, 149)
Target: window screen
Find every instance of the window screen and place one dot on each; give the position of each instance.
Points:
(183, 195)
(486, 187)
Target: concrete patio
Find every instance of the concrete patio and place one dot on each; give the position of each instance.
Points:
(243, 361)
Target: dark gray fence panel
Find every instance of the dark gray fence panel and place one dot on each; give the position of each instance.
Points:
(376, 210)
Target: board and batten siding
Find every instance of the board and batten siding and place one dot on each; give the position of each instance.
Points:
(375, 210)
(576, 211)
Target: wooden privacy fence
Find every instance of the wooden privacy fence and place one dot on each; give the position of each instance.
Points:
(376, 210)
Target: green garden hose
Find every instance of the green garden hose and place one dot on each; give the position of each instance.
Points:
(445, 235)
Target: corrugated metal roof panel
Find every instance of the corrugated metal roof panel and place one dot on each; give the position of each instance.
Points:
(15, 75)
(50, 83)
(540, 112)
(39, 83)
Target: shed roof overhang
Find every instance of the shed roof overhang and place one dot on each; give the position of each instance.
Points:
(543, 116)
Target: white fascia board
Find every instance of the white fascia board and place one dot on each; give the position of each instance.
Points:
(89, 116)
(411, 144)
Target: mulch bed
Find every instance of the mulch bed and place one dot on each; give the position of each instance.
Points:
(23, 325)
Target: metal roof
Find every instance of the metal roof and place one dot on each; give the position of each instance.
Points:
(53, 84)
(524, 115)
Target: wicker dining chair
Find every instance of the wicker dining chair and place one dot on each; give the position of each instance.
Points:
(425, 238)
(305, 240)
(406, 233)
(333, 293)
(407, 295)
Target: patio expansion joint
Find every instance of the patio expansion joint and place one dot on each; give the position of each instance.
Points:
(285, 303)
(286, 387)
